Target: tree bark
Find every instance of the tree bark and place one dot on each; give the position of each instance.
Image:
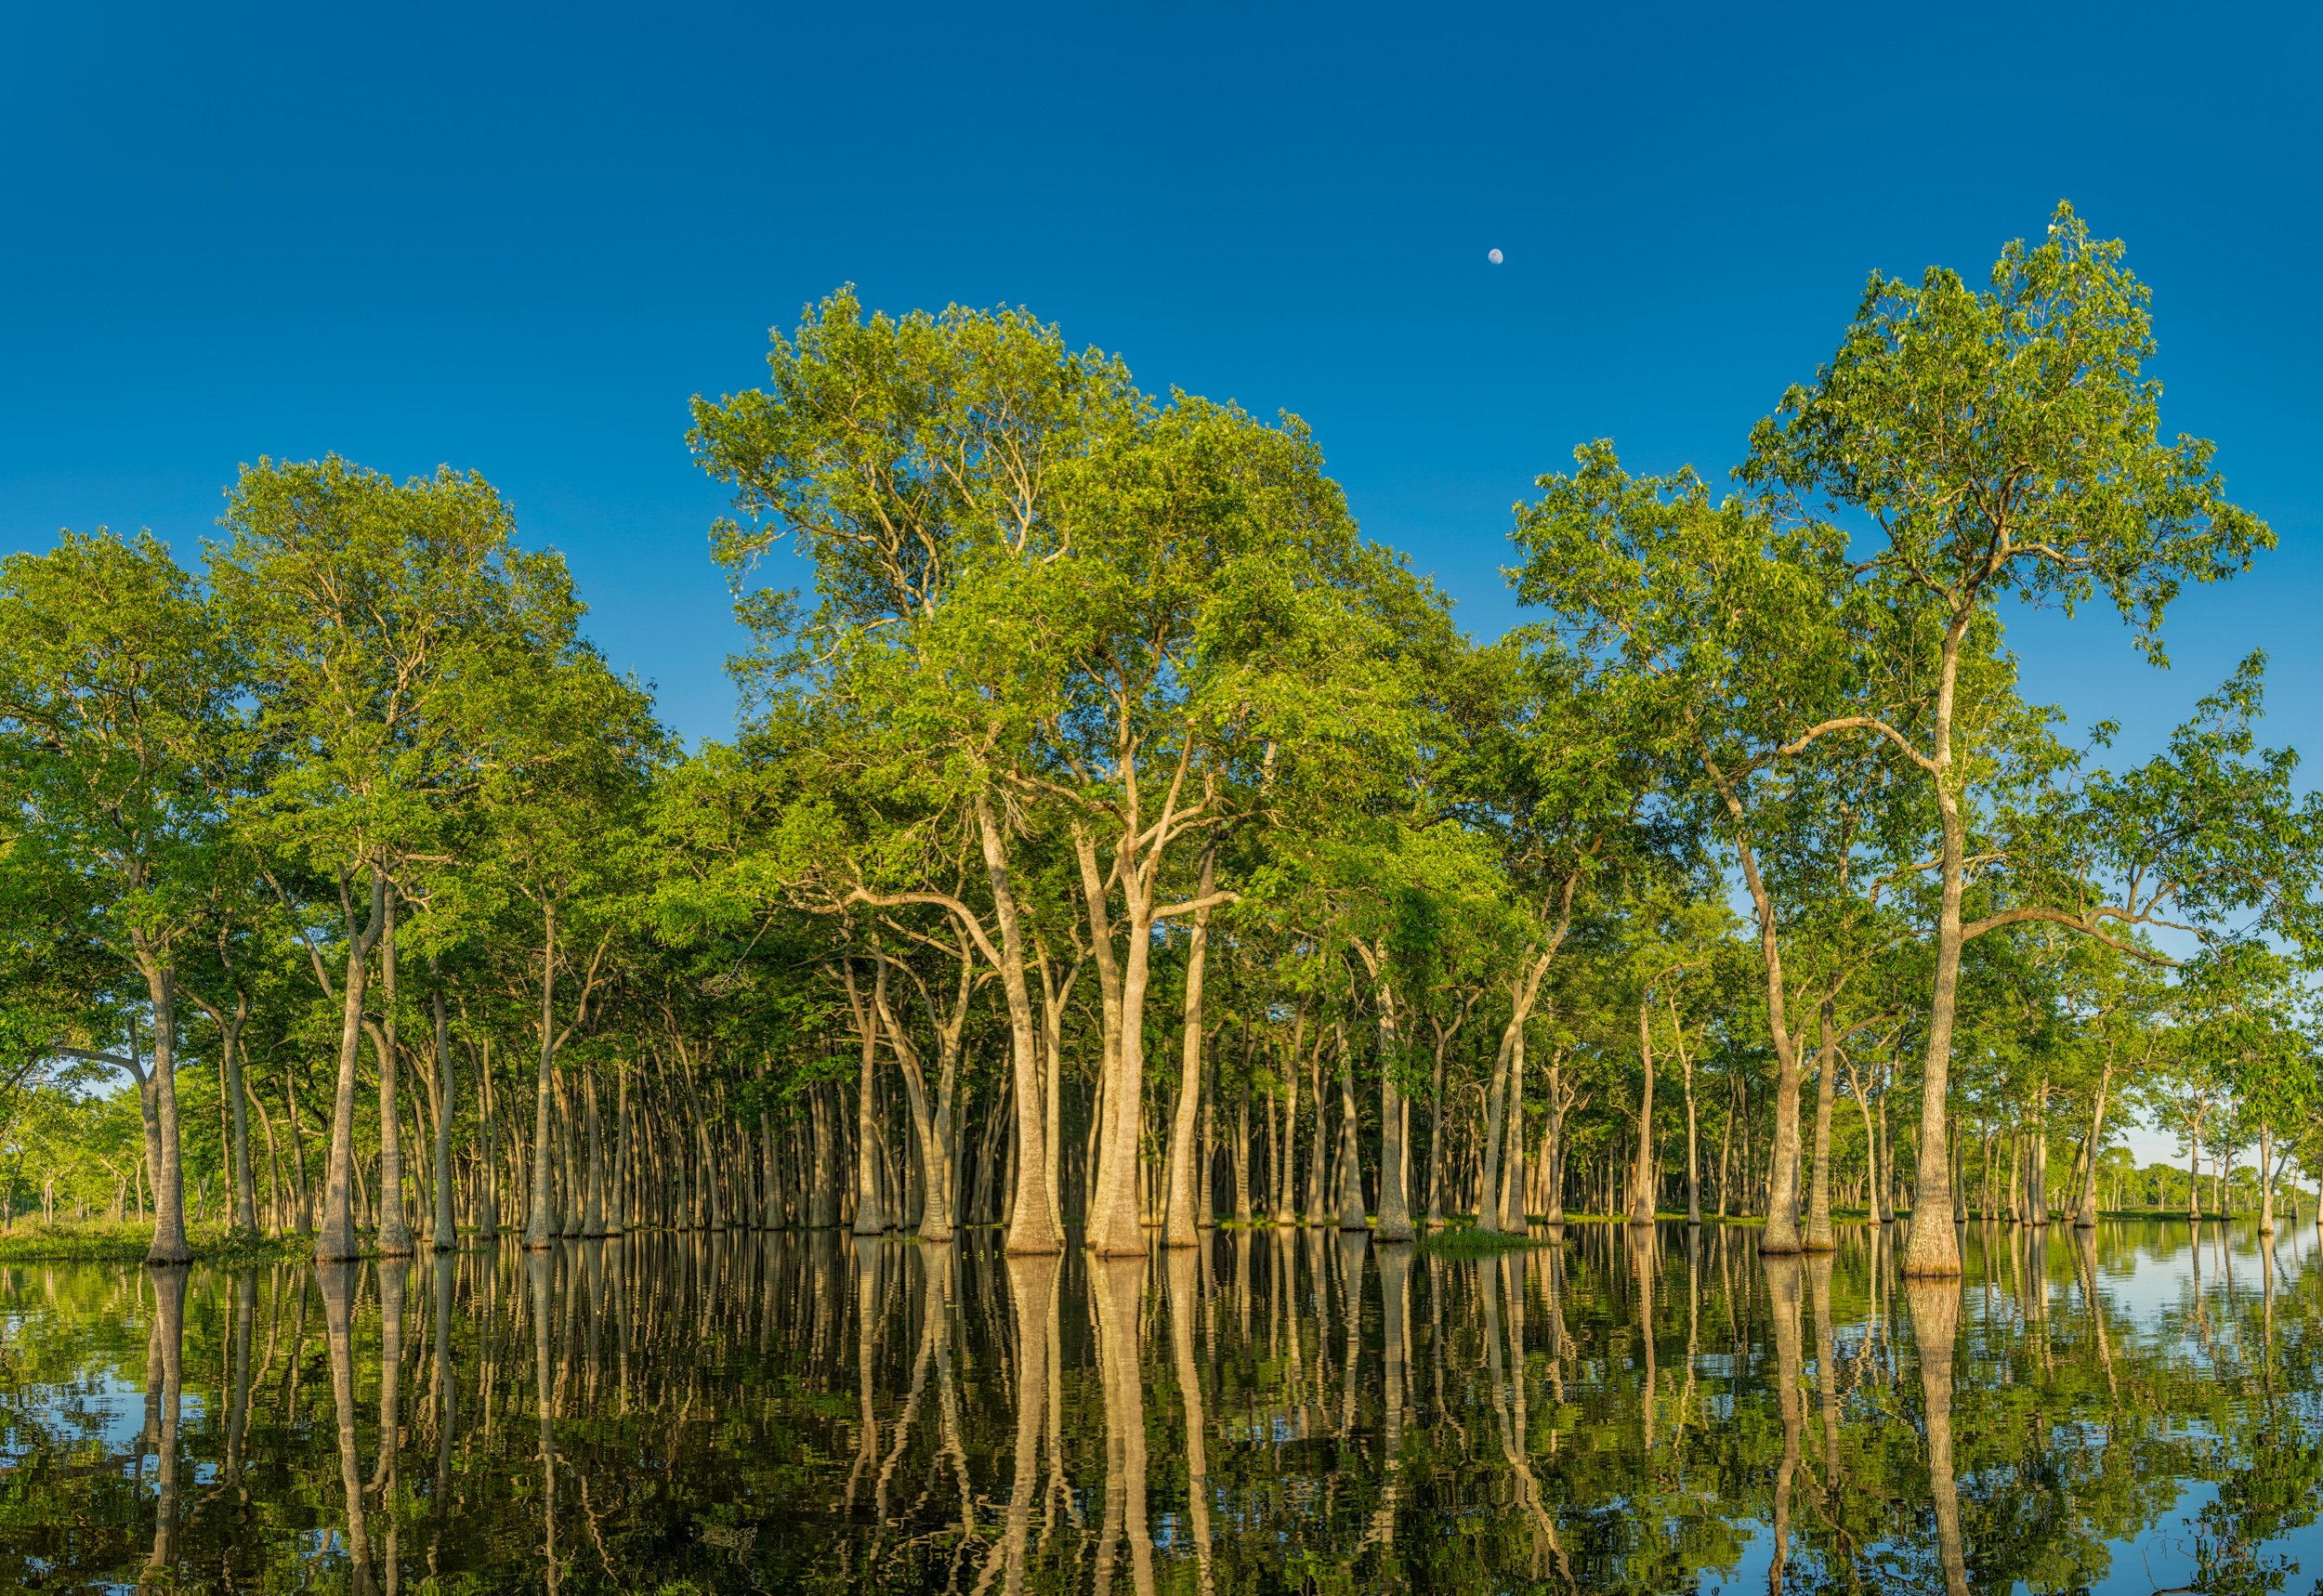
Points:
(447, 1224)
(1178, 1228)
(337, 1242)
(540, 1222)
(395, 1235)
(1033, 1223)
(1641, 1189)
(1819, 1237)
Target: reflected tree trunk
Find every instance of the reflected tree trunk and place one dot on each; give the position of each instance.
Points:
(169, 1335)
(1395, 1291)
(867, 1315)
(338, 1281)
(1641, 1258)
(238, 1404)
(1782, 1291)
(1033, 1288)
(394, 1275)
(537, 1265)
(1934, 1308)
(1818, 1273)
(1114, 1287)
(1508, 1413)
(1185, 1302)
(2085, 1261)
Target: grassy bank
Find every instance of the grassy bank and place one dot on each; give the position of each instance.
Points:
(126, 1241)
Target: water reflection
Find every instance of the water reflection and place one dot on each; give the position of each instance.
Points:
(2130, 1408)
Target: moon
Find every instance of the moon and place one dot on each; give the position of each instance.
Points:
(1494, 256)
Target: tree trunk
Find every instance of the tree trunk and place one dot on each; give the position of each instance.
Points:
(1819, 1237)
(1513, 1218)
(447, 1225)
(395, 1235)
(2085, 1216)
(1033, 1223)
(1178, 1228)
(337, 1242)
(1932, 1247)
(168, 1173)
(1285, 1149)
(1781, 1235)
(540, 1222)
(245, 1184)
(1351, 1215)
(1395, 1209)
(2267, 1179)
(487, 1182)
(1641, 1192)
(1693, 1156)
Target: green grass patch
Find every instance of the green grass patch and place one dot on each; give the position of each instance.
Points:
(126, 1241)
(1459, 1240)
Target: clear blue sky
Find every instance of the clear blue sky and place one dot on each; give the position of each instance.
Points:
(519, 243)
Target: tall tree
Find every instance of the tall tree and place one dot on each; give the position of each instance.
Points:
(115, 709)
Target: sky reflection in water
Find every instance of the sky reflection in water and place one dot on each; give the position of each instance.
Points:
(1278, 1411)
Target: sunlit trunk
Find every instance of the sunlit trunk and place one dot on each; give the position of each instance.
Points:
(2085, 1214)
(2267, 1179)
(168, 1172)
(1819, 1237)
(1932, 1246)
(447, 1226)
(337, 1241)
(1395, 1211)
(1514, 1219)
(1641, 1183)
(1179, 1227)
(1488, 1188)
(1351, 1214)
(395, 1235)
(1033, 1222)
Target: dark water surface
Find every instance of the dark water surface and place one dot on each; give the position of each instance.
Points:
(2138, 1410)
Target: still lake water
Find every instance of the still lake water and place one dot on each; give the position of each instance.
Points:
(2138, 1410)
